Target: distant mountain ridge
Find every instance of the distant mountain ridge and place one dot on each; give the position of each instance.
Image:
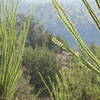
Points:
(83, 22)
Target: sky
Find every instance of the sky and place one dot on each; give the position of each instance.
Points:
(44, 1)
(37, 1)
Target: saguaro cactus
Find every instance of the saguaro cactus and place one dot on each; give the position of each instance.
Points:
(11, 51)
(95, 65)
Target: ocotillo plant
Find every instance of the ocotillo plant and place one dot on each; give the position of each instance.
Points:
(98, 3)
(95, 65)
(92, 13)
(60, 88)
(11, 50)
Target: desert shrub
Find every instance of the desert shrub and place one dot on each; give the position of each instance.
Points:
(40, 60)
(24, 90)
(76, 84)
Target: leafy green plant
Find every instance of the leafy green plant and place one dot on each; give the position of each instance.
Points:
(11, 51)
(95, 65)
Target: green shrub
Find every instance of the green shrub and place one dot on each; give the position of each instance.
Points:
(24, 90)
(76, 84)
(40, 60)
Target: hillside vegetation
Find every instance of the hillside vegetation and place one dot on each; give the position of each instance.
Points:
(37, 62)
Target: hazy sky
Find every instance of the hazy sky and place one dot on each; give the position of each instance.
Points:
(37, 1)
(44, 1)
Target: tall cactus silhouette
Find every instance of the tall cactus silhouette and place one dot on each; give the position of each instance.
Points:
(95, 65)
(11, 50)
